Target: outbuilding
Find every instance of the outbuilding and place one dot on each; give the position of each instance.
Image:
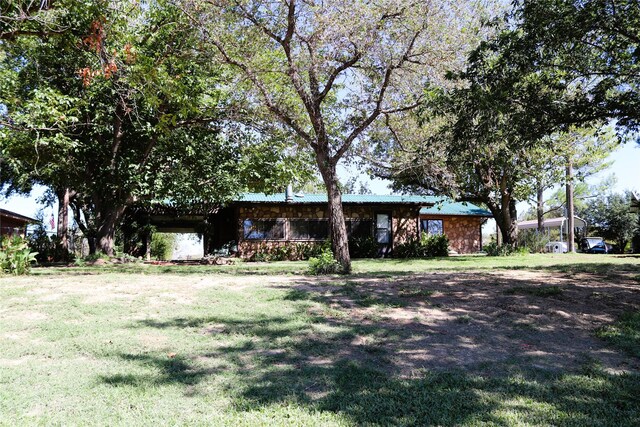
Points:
(14, 224)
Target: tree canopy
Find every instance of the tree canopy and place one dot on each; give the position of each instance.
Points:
(127, 110)
(328, 70)
(486, 138)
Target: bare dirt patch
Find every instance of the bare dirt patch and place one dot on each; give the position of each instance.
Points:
(475, 320)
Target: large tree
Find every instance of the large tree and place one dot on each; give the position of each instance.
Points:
(328, 70)
(610, 217)
(476, 140)
(122, 109)
(490, 136)
(596, 42)
(583, 150)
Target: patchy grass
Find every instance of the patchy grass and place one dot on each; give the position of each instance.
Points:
(603, 265)
(211, 346)
(625, 333)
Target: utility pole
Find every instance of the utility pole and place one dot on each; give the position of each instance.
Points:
(570, 226)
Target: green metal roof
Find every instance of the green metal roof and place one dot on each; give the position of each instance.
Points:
(446, 207)
(433, 205)
(299, 198)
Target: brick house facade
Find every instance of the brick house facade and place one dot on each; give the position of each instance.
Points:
(464, 232)
(403, 219)
(259, 221)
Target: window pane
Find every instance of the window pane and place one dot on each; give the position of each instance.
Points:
(299, 229)
(383, 236)
(382, 221)
(251, 230)
(359, 227)
(272, 229)
(318, 229)
(434, 226)
(308, 229)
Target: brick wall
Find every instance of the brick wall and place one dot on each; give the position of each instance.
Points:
(404, 220)
(405, 224)
(463, 232)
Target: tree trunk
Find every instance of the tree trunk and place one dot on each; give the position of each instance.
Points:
(540, 209)
(570, 224)
(106, 232)
(63, 220)
(337, 226)
(91, 241)
(506, 221)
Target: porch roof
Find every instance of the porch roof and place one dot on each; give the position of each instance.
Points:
(16, 216)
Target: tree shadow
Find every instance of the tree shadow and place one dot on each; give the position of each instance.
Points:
(429, 349)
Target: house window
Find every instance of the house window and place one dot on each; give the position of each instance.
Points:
(308, 229)
(263, 229)
(358, 228)
(432, 226)
(383, 228)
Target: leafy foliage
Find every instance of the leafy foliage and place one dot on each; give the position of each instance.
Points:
(609, 217)
(363, 247)
(16, 256)
(48, 248)
(305, 67)
(594, 42)
(324, 264)
(489, 138)
(494, 250)
(125, 108)
(435, 245)
(162, 245)
(532, 240)
(290, 251)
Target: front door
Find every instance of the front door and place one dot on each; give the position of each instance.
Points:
(383, 233)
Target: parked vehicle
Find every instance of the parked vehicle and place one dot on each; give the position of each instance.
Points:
(595, 245)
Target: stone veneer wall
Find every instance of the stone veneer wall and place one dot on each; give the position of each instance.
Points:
(404, 220)
(463, 232)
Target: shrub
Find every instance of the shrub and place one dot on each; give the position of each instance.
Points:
(162, 245)
(437, 245)
(48, 249)
(533, 241)
(424, 247)
(16, 256)
(363, 247)
(324, 263)
(493, 249)
(289, 252)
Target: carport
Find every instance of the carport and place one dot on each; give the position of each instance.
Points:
(561, 223)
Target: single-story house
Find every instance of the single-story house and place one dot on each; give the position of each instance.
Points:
(13, 224)
(256, 220)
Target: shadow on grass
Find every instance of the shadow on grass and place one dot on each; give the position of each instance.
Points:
(329, 373)
(327, 356)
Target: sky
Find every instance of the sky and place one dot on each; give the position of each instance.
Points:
(625, 165)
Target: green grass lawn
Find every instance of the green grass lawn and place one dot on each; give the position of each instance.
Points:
(568, 263)
(256, 344)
